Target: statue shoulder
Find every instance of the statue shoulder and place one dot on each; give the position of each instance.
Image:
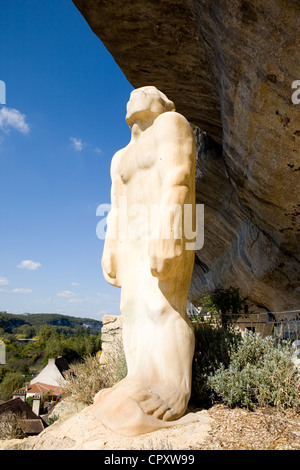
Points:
(172, 121)
(115, 162)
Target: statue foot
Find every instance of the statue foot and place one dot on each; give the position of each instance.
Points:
(165, 403)
(130, 409)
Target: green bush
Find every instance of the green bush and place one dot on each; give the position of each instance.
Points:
(212, 348)
(260, 372)
(29, 401)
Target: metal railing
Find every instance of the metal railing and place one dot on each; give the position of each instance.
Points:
(282, 327)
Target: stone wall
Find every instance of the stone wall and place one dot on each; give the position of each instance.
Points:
(111, 333)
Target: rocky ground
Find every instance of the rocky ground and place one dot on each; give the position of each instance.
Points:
(262, 429)
(219, 428)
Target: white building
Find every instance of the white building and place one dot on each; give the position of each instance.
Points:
(53, 373)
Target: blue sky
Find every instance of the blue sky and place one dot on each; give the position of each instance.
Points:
(63, 120)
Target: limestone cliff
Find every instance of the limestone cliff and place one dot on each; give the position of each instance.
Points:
(236, 251)
(229, 67)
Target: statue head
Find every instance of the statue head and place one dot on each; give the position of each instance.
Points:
(147, 102)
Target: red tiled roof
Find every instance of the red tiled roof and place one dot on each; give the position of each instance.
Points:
(39, 387)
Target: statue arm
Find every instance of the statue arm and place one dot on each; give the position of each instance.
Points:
(176, 157)
(111, 244)
(176, 165)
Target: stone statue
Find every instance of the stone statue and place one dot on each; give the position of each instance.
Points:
(153, 180)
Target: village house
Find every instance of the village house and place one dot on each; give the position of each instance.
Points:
(16, 411)
(49, 381)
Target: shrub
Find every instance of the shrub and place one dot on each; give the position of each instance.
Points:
(52, 419)
(260, 372)
(212, 348)
(29, 401)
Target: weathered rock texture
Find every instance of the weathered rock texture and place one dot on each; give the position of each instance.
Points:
(81, 432)
(111, 334)
(236, 251)
(229, 68)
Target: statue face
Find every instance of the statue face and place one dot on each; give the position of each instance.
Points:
(145, 99)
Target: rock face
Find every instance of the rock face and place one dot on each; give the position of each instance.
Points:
(236, 251)
(229, 67)
(81, 432)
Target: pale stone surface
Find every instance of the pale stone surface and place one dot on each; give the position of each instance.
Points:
(110, 323)
(85, 432)
(153, 265)
(107, 338)
(111, 336)
(65, 409)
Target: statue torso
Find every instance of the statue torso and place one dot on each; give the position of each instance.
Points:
(137, 170)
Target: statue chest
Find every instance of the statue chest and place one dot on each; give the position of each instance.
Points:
(136, 160)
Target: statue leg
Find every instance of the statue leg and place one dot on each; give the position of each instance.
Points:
(159, 346)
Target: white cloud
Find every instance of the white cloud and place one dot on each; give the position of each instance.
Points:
(75, 284)
(77, 144)
(21, 291)
(11, 118)
(75, 300)
(29, 264)
(4, 281)
(67, 294)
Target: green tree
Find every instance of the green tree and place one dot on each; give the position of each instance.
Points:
(3, 371)
(45, 332)
(226, 305)
(11, 382)
(25, 330)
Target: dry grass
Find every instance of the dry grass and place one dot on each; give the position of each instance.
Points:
(10, 426)
(261, 429)
(91, 377)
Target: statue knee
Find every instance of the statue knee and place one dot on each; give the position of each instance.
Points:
(157, 309)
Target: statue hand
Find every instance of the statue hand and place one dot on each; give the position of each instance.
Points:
(109, 267)
(108, 264)
(165, 255)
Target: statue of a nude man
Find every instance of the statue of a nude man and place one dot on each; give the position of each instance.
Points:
(155, 170)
